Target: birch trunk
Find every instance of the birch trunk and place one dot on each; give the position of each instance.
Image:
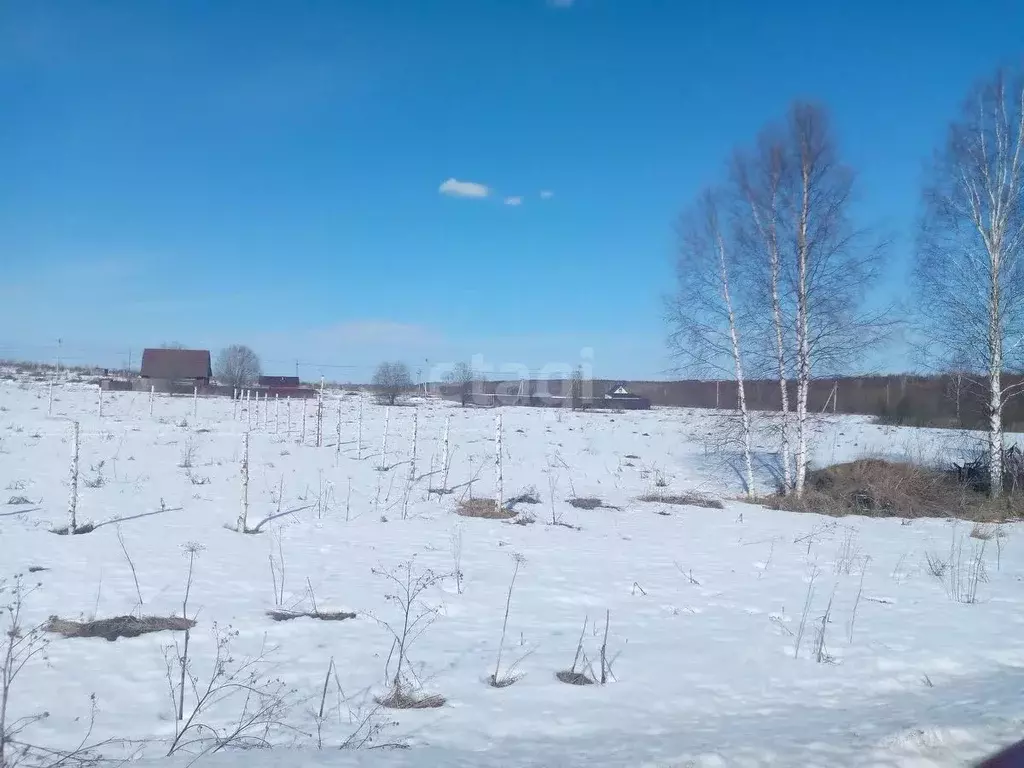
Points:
(995, 404)
(499, 477)
(446, 452)
(73, 495)
(738, 365)
(803, 355)
(384, 439)
(780, 360)
(243, 516)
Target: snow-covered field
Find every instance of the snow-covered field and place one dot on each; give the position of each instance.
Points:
(705, 605)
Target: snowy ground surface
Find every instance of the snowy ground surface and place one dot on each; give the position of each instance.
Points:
(705, 604)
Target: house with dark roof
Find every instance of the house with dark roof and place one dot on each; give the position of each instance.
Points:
(177, 366)
(620, 396)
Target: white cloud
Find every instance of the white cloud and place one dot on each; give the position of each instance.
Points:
(514, 200)
(455, 188)
(546, 194)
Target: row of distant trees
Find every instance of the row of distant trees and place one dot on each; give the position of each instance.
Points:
(775, 272)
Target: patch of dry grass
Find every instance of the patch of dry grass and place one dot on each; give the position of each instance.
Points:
(484, 508)
(573, 678)
(682, 499)
(586, 502)
(399, 698)
(283, 615)
(882, 488)
(118, 626)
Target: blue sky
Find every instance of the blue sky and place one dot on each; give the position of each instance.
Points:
(271, 172)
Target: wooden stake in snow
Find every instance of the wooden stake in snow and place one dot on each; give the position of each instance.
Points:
(73, 497)
(499, 479)
(99, 401)
(152, 397)
(49, 400)
(302, 438)
(288, 408)
(277, 412)
(234, 405)
(244, 514)
(257, 410)
(195, 402)
(446, 453)
(266, 410)
(384, 439)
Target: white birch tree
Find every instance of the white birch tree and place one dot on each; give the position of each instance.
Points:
(705, 328)
(827, 265)
(970, 260)
(759, 182)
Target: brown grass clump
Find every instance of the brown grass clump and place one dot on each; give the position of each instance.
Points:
(283, 615)
(118, 626)
(683, 499)
(573, 678)
(484, 508)
(882, 488)
(399, 698)
(586, 502)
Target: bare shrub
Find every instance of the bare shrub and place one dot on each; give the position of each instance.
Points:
(96, 479)
(960, 572)
(408, 589)
(238, 706)
(848, 555)
(504, 679)
(188, 454)
(19, 500)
